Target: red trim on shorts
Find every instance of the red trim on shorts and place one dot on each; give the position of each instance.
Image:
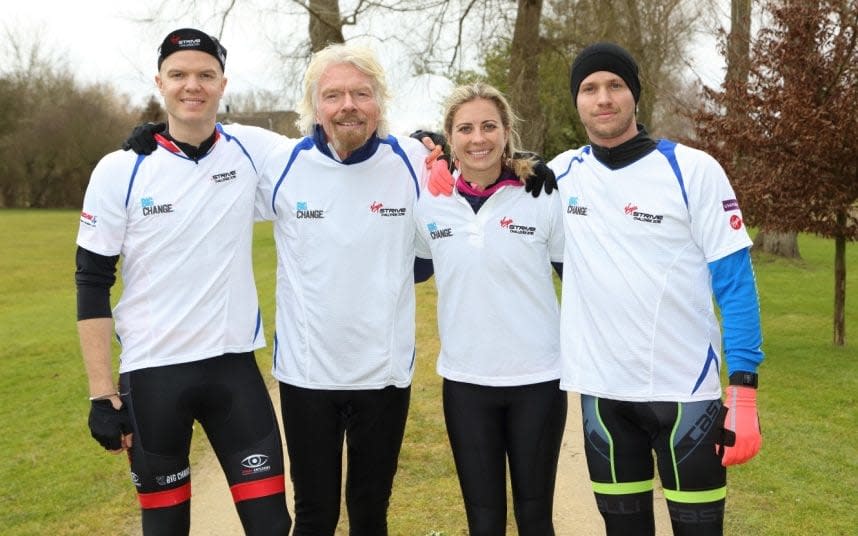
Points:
(258, 488)
(166, 498)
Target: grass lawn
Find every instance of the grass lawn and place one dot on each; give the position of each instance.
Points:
(57, 480)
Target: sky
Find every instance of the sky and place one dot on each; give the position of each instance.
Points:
(100, 41)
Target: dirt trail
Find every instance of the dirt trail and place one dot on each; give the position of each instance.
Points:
(575, 513)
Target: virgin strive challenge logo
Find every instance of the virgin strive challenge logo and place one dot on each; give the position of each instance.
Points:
(378, 208)
(507, 223)
(632, 210)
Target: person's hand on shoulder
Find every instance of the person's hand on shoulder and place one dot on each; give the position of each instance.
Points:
(542, 178)
(142, 138)
(437, 162)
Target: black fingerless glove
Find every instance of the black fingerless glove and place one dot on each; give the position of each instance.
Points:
(142, 138)
(436, 137)
(542, 178)
(107, 425)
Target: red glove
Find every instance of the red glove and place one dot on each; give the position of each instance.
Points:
(742, 438)
(440, 179)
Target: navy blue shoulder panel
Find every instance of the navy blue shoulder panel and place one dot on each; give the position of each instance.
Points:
(572, 160)
(668, 149)
(231, 138)
(137, 163)
(397, 149)
(304, 145)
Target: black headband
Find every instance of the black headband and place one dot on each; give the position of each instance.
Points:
(191, 39)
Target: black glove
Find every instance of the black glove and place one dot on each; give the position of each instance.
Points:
(142, 138)
(541, 178)
(108, 425)
(437, 138)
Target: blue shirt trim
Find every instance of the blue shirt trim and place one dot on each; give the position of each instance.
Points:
(668, 149)
(304, 145)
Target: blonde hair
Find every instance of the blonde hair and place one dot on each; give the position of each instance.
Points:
(364, 60)
(522, 167)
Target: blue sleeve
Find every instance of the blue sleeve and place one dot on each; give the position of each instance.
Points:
(735, 292)
(423, 269)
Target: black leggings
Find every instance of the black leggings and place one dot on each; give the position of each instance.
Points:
(619, 438)
(487, 426)
(316, 422)
(228, 397)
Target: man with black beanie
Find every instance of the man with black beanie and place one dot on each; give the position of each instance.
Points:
(653, 230)
(188, 317)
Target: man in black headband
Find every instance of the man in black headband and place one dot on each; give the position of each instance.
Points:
(188, 317)
(654, 230)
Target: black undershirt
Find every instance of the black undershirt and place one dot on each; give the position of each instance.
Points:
(627, 152)
(192, 151)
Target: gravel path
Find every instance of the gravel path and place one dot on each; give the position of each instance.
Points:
(575, 513)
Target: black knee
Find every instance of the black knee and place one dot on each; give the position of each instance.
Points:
(486, 521)
(627, 515)
(700, 519)
(534, 517)
(168, 521)
(265, 516)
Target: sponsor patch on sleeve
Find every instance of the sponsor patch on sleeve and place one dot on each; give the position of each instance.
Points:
(87, 219)
(730, 204)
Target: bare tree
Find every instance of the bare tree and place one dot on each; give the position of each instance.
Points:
(54, 129)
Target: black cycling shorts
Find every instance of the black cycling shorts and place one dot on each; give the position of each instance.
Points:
(228, 397)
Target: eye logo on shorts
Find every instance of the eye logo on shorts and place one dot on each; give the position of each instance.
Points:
(254, 461)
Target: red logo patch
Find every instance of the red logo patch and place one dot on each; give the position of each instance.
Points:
(505, 222)
(735, 222)
(630, 208)
(375, 206)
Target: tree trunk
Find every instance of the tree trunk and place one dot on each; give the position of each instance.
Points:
(777, 243)
(326, 24)
(524, 75)
(840, 285)
(739, 41)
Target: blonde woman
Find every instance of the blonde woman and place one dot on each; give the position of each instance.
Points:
(492, 244)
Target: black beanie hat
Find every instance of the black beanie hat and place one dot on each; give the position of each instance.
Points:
(191, 39)
(605, 57)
